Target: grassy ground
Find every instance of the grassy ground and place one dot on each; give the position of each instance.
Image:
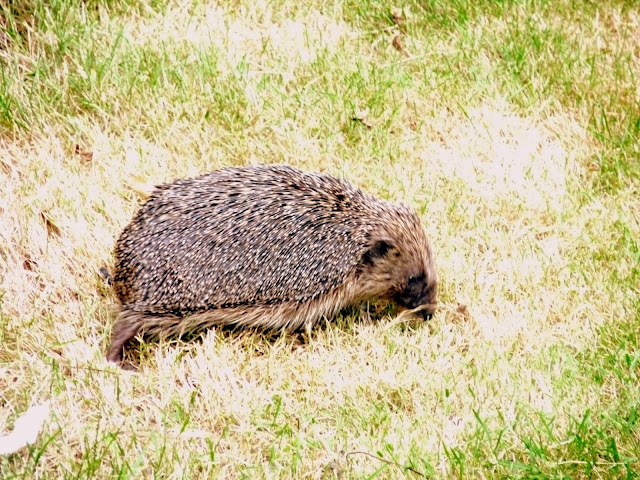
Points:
(512, 127)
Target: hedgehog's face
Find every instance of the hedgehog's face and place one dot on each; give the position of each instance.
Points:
(408, 274)
(418, 290)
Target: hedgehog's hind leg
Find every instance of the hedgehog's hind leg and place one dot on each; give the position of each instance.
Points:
(128, 325)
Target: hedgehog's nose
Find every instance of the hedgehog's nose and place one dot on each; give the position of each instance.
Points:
(427, 311)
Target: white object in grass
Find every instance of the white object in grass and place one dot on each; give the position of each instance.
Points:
(25, 429)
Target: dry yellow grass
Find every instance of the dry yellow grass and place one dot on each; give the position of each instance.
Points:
(523, 242)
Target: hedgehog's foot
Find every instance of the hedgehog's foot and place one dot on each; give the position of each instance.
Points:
(124, 330)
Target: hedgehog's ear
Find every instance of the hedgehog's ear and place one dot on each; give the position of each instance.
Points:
(380, 247)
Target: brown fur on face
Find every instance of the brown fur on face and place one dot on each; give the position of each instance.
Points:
(400, 267)
(266, 246)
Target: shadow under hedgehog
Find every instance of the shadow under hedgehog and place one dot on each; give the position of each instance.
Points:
(264, 246)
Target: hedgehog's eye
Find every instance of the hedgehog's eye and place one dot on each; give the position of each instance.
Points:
(414, 280)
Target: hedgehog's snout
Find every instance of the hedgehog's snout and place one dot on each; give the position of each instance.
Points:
(426, 311)
(418, 294)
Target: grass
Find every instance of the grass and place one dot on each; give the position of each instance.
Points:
(511, 127)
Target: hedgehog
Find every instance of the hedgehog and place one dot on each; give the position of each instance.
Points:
(265, 246)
